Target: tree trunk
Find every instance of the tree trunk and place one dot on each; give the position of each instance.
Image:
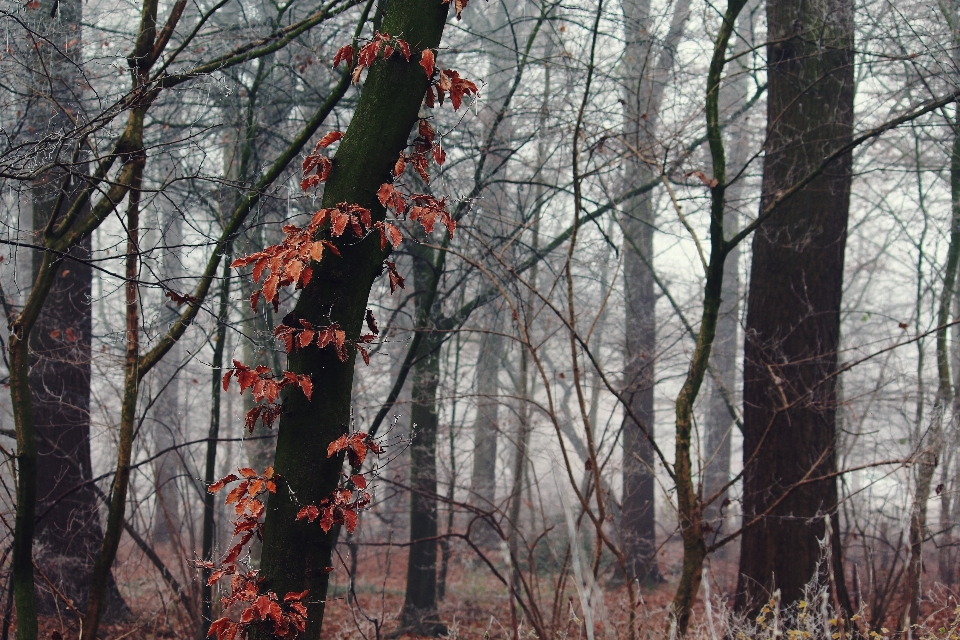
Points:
(793, 307)
(719, 419)
(644, 82)
(209, 534)
(295, 553)
(107, 553)
(419, 613)
(166, 414)
(931, 444)
(68, 529)
(486, 427)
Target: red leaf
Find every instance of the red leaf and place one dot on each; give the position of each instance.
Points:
(326, 522)
(396, 280)
(329, 139)
(364, 355)
(254, 299)
(236, 493)
(357, 450)
(708, 182)
(251, 418)
(398, 167)
(270, 287)
(332, 247)
(338, 222)
(307, 385)
(309, 163)
(247, 472)
(350, 520)
(259, 267)
(309, 513)
(220, 628)
(337, 446)
(294, 596)
(310, 182)
(385, 192)
(427, 131)
(420, 164)
(404, 48)
(427, 62)
(221, 483)
(344, 54)
(306, 337)
(226, 380)
(393, 234)
(359, 481)
(439, 155)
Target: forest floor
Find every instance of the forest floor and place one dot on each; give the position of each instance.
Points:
(476, 603)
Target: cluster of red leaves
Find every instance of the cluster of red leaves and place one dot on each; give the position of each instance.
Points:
(343, 505)
(317, 164)
(265, 386)
(294, 338)
(449, 81)
(418, 206)
(249, 509)
(382, 43)
(283, 620)
(263, 610)
(289, 261)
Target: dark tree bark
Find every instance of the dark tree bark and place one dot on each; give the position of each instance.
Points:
(68, 529)
(420, 603)
(295, 553)
(793, 306)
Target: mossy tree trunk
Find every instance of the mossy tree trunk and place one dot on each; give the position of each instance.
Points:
(296, 553)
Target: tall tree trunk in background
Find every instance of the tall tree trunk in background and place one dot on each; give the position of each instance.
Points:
(68, 529)
(719, 419)
(949, 488)
(793, 306)
(644, 80)
(294, 553)
(209, 530)
(496, 212)
(419, 613)
(166, 413)
(486, 426)
(931, 444)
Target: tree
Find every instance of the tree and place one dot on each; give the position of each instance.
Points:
(419, 613)
(646, 71)
(486, 426)
(295, 553)
(793, 305)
